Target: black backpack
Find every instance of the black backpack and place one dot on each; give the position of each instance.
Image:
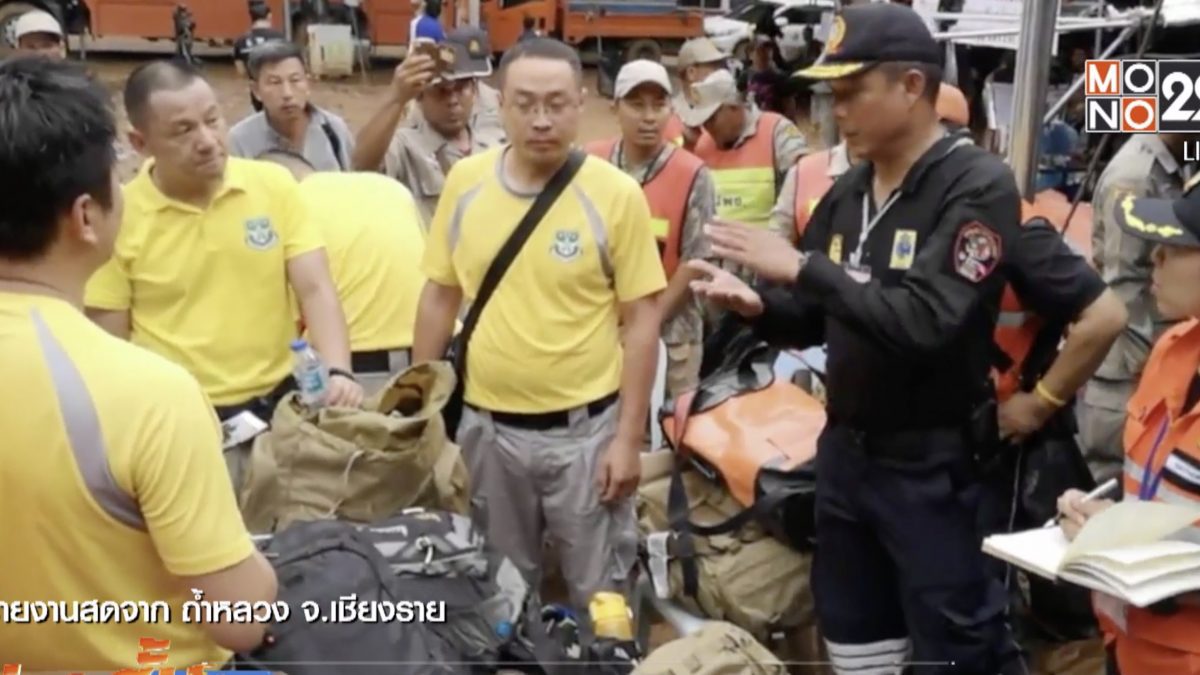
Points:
(317, 564)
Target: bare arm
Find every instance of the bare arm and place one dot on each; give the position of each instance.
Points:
(252, 580)
(1087, 344)
(309, 277)
(373, 139)
(116, 322)
(435, 321)
(409, 78)
(641, 319)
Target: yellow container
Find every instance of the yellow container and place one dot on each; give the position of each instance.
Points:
(611, 617)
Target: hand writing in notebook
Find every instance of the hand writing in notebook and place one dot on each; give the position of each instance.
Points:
(1076, 511)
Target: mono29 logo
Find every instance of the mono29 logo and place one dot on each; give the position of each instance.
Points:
(1141, 96)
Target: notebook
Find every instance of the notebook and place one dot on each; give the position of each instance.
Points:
(1126, 551)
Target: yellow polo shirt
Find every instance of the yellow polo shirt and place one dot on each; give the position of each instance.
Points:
(112, 488)
(548, 339)
(208, 288)
(375, 238)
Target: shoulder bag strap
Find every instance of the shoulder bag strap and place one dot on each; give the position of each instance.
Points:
(508, 252)
(335, 143)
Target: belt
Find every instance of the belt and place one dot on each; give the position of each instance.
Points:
(263, 406)
(374, 361)
(551, 420)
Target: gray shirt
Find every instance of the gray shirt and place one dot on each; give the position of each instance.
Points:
(1143, 167)
(328, 143)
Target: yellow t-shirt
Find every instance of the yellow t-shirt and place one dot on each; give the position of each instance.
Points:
(82, 411)
(548, 339)
(375, 239)
(208, 288)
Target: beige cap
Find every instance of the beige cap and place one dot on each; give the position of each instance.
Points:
(36, 21)
(640, 72)
(714, 91)
(699, 50)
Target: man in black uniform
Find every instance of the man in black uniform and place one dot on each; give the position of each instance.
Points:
(899, 273)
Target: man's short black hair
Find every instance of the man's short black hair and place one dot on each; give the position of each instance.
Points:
(153, 77)
(259, 10)
(932, 73)
(542, 48)
(56, 144)
(270, 53)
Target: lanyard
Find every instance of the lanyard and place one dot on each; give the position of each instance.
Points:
(869, 224)
(649, 167)
(1150, 478)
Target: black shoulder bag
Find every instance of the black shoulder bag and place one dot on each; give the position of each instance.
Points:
(452, 413)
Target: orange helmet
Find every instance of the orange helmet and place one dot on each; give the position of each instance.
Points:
(952, 105)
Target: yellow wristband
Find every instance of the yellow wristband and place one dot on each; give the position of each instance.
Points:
(1046, 396)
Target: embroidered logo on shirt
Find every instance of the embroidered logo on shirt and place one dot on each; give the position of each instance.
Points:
(904, 247)
(566, 245)
(260, 236)
(835, 249)
(976, 252)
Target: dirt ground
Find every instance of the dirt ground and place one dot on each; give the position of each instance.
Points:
(352, 98)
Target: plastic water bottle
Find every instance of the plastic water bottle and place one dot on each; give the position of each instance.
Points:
(312, 378)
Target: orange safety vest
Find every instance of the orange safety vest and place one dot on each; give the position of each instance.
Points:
(1168, 440)
(745, 176)
(667, 192)
(673, 132)
(812, 182)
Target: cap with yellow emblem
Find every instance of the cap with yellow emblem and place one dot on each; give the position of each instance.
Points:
(863, 36)
(1173, 222)
(467, 52)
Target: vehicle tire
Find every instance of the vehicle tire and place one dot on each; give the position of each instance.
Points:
(741, 51)
(9, 13)
(643, 49)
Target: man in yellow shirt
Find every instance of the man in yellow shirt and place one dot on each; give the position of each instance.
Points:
(375, 239)
(561, 363)
(208, 250)
(112, 487)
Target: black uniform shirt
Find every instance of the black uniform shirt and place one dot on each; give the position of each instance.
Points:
(256, 37)
(910, 347)
(1051, 280)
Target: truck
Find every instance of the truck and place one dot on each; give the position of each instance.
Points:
(217, 23)
(637, 29)
(641, 28)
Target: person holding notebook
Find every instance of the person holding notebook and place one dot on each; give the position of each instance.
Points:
(1162, 436)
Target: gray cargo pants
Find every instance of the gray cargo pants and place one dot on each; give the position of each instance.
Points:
(527, 484)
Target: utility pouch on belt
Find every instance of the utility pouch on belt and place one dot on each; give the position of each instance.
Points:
(756, 434)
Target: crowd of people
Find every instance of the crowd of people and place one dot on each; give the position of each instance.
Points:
(135, 317)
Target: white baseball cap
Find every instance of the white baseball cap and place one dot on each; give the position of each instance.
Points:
(716, 90)
(639, 72)
(36, 21)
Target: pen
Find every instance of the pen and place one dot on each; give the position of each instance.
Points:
(1100, 491)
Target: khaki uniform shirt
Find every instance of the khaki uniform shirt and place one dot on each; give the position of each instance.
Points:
(1143, 167)
(420, 157)
(686, 327)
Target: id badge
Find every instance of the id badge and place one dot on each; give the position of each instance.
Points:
(241, 428)
(859, 273)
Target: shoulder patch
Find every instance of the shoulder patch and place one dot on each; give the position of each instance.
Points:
(976, 251)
